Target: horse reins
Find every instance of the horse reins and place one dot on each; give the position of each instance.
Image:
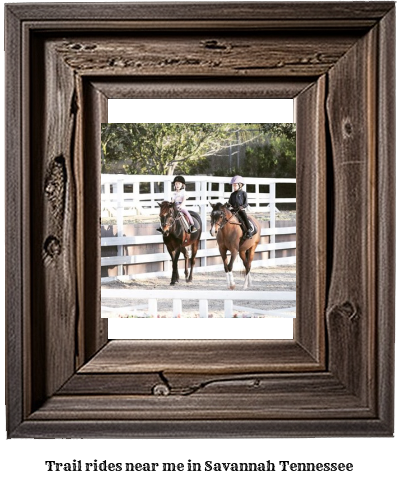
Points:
(169, 217)
(227, 220)
(175, 218)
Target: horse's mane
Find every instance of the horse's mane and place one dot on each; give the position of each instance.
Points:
(218, 206)
(165, 205)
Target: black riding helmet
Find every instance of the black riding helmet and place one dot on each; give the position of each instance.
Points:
(179, 179)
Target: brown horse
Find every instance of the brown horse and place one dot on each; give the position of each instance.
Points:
(229, 233)
(177, 239)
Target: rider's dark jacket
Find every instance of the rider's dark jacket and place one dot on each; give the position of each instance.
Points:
(238, 199)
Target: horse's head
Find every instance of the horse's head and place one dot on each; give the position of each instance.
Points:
(218, 216)
(167, 215)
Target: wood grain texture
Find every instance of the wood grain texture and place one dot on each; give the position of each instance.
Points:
(185, 384)
(173, 88)
(190, 428)
(96, 384)
(352, 121)
(277, 11)
(66, 60)
(15, 258)
(385, 224)
(200, 356)
(53, 201)
(267, 396)
(238, 55)
(204, 407)
(95, 329)
(310, 99)
(311, 219)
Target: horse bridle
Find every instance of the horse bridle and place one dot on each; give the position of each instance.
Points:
(166, 220)
(170, 219)
(226, 220)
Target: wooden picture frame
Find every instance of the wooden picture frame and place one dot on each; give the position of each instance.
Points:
(335, 378)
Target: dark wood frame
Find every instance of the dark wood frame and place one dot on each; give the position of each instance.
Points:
(64, 379)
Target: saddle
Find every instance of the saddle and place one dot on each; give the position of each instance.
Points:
(252, 226)
(184, 221)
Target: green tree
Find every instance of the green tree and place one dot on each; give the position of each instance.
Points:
(287, 130)
(157, 148)
(274, 159)
(112, 147)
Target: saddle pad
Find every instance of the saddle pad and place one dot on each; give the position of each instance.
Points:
(184, 221)
(254, 228)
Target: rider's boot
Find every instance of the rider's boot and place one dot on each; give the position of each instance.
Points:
(192, 229)
(159, 229)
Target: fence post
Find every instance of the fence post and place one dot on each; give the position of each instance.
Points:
(221, 192)
(153, 307)
(203, 204)
(167, 190)
(177, 308)
(228, 308)
(106, 203)
(272, 193)
(152, 194)
(119, 219)
(136, 197)
(197, 190)
(203, 308)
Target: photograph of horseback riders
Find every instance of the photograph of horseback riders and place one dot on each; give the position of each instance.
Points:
(198, 220)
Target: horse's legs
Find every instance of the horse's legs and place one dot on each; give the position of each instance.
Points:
(244, 258)
(172, 256)
(194, 249)
(247, 257)
(223, 255)
(185, 253)
(175, 272)
(233, 257)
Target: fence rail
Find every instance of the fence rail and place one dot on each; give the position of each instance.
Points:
(124, 196)
(153, 295)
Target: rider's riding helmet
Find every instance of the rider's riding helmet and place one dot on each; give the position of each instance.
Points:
(179, 179)
(238, 180)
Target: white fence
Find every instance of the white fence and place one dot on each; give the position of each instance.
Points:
(123, 196)
(153, 295)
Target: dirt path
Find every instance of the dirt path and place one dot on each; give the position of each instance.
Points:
(259, 215)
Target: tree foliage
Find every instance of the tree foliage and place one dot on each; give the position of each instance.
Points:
(275, 159)
(267, 149)
(158, 148)
(286, 130)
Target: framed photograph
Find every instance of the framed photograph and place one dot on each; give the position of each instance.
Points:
(141, 159)
(65, 378)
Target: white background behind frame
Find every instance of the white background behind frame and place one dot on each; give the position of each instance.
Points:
(375, 459)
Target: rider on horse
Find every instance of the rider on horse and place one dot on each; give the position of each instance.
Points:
(238, 201)
(179, 198)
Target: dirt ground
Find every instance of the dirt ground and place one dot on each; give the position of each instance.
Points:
(281, 278)
(259, 215)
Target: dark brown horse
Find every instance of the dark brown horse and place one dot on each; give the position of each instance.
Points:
(229, 233)
(177, 239)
